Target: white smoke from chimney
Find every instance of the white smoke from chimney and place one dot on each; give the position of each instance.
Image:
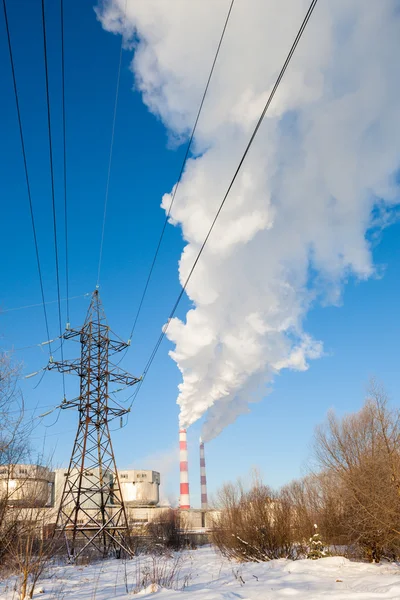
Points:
(318, 178)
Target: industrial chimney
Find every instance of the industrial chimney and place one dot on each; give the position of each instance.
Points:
(203, 478)
(184, 491)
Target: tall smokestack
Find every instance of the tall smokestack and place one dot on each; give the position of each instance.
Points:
(203, 478)
(184, 497)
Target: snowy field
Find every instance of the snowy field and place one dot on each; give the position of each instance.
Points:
(204, 575)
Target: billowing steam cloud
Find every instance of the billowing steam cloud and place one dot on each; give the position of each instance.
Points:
(319, 177)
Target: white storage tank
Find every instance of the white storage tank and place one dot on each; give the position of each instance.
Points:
(26, 485)
(140, 488)
(90, 480)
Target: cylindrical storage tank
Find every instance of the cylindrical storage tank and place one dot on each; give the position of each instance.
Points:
(26, 485)
(140, 488)
(90, 500)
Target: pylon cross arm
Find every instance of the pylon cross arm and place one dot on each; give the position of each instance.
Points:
(122, 377)
(117, 346)
(66, 366)
(71, 333)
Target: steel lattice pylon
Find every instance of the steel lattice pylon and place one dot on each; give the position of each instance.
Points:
(92, 511)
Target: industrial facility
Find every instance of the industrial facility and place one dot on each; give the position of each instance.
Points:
(92, 501)
(28, 486)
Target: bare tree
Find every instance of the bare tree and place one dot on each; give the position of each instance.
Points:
(30, 551)
(24, 547)
(14, 445)
(361, 452)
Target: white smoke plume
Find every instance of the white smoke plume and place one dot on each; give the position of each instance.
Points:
(320, 175)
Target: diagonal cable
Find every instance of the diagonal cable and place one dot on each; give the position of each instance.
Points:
(52, 180)
(64, 156)
(110, 156)
(21, 134)
(188, 147)
(249, 144)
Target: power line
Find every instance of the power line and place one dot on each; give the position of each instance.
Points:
(20, 349)
(260, 120)
(6, 310)
(52, 180)
(182, 169)
(26, 171)
(110, 156)
(58, 433)
(64, 156)
(25, 410)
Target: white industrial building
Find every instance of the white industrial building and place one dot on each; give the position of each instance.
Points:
(26, 486)
(33, 486)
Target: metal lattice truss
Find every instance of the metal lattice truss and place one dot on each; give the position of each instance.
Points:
(92, 511)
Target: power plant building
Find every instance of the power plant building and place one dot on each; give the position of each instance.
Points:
(26, 486)
(35, 486)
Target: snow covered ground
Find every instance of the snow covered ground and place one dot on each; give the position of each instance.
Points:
(207, 576)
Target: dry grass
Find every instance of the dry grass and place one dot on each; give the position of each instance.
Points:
(159, 571)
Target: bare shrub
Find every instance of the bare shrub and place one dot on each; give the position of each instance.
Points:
(317, 499)
(167, 532)
(164, 532)
(253, 525)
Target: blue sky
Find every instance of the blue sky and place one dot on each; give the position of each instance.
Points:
(360, 336)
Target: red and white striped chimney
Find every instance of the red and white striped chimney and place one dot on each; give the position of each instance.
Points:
(184, 502)
(203, 478)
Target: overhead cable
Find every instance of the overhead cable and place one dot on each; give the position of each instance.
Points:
(185, 158)
(26, 173)
(39, 345)
(110, 156)
(25, 410)
(64, 158)
(6, 310)
(52, 181)
(253, 135)
(58, 433)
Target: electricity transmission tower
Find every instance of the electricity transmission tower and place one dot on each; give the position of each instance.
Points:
(92, 511)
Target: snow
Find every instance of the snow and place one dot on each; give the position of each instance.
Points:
(208, 576)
